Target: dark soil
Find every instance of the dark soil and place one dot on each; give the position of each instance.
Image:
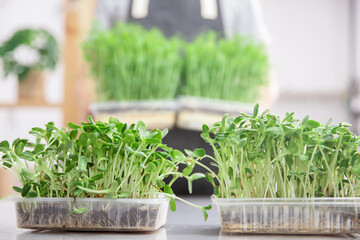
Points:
(305, 220)
(100, 218)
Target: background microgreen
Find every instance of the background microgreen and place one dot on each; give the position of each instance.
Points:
(97, 160)
(230, 69)
(262, 156)
(131, 63)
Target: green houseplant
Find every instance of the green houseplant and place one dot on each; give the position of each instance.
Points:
(134, 68)
(26, 54)
(284, 175)
(221, 75)
(103, 176)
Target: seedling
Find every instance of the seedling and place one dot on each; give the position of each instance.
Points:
(131, 63)
(225, 69)
(262, 156)
(97, 160)
(284, 175)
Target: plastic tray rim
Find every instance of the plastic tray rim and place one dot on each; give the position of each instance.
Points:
(160, 199)
(288, 201)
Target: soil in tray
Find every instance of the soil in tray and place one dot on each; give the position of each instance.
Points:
(288, 229)
(47, 216)
(329, 223)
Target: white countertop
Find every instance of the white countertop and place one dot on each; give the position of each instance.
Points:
(186, 223)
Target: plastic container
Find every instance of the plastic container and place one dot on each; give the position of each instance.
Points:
(155, 113)
(52, 235)
(115, 215)
(196, 111)
(289, 216)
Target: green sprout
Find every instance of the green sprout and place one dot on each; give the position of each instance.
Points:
(224, 69)
(131, 63)
(262, 156)
(97, 160)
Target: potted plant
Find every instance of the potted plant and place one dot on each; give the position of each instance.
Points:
(103, 176)
(221, 76)
(137, 73)
(284, 175)
(26, 54)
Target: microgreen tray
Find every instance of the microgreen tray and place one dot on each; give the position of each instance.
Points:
(155, 113)
(289, 216)
(93, 214)
(196, 111)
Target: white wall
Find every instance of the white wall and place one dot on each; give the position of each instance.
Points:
(357, 40)
(17, 14)
(310, 51)
(14, 15)
(310, 44)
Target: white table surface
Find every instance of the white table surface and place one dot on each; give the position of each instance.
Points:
(186, 224)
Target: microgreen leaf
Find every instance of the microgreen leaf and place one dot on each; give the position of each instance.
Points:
(205, 128)
(70, 167)
(189, 185)
(19, 148)
(274, 130)
(312, 124)
(164, 132)
(172, 205)
(89, 190)
(293, 148)
(196, 176)
(205, 214)
(206, 137)
(209, 178)
(168, 190)
(4, 144)
(189, 153)
(304, 158)
(81, 210)
(82, 165)
(73, 125)
(17, 189)
(160, 183)
(25, 189)
(83, 139)
(27, 174)
(124, 195)
(129, 149)
(199, 152)
(151, 167)
(78, 211)
(256, 110)
(187, 171)
(96, 177)
(177, 155)
(141, 154)
(31, 194)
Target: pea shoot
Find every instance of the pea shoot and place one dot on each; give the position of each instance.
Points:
(263, 156)
(97, 160)
(131, 63)
(229, 69)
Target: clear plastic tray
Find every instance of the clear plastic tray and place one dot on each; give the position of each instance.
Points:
(100, 215)
(196, 111)
(155, 113)
(159, 234)
(289, 216)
